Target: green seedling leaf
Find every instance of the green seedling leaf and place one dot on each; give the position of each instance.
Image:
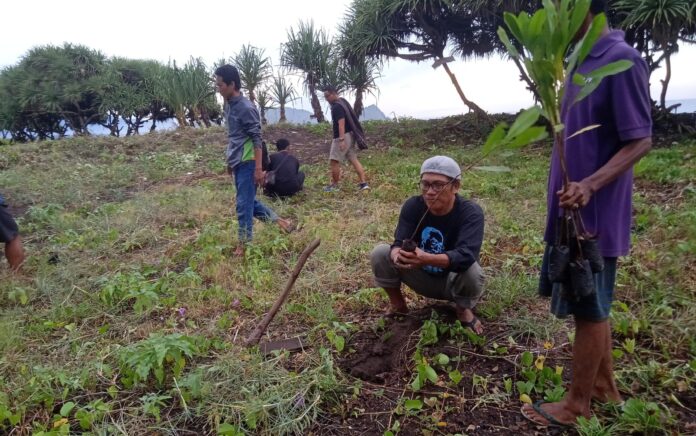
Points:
(442, 359)
(501, 350)
(611, 69)
(495, 139)
(67, 408)
(428, 334)
(455, 376)
(413, 404)
(592, 35)
(417, 384)
(431, 374)
(524, 121)
(507, 384)
(226, 429)
(527, 359)
(578, 79)
(512, 51)
(583, 130)
(524, 387)
(593, 79)
(532, 134)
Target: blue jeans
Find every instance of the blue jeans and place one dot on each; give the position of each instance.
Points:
(248, 207)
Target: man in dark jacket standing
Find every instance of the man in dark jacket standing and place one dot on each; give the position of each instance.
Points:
(448, 232)
(343, 145)
(244, 155)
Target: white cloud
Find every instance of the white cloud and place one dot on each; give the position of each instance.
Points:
(215, 29)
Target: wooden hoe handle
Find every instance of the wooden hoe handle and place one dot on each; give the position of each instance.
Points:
(255, 336)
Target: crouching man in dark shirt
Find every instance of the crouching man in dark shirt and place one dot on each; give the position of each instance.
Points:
(288, 180)
(448, 231)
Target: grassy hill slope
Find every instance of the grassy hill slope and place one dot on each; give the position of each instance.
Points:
(131, 314)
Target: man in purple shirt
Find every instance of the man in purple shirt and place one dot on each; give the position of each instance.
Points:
(600, 163)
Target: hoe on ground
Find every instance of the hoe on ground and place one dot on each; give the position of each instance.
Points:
(292, 344)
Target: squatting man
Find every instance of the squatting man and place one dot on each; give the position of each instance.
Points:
(448, 231)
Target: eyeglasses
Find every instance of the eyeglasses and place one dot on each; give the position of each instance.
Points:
(435, 186)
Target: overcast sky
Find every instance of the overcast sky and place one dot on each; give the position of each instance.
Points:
(213, 29)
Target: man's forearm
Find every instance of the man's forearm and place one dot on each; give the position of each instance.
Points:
(628, 156)
(258, 157)
(342, 128)
(438, 260)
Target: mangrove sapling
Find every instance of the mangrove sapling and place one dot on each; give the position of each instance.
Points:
(549, 56)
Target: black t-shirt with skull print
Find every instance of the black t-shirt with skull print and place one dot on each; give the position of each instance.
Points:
(459, 234)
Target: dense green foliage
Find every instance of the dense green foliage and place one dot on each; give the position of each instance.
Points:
(53, 90)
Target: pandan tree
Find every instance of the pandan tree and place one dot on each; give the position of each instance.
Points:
(307, 51)
(265, 102)
(254, 69)
(282, 93)
(549, 55)
(668, 22)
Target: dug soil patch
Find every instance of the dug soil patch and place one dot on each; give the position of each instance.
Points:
(380, 357)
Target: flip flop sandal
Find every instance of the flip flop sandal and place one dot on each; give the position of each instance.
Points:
(552, 422)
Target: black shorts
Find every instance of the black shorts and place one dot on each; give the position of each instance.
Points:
(8, 226)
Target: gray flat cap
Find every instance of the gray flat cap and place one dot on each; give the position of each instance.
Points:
(444, 165)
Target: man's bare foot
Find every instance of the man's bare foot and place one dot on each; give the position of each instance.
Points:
(239, 251)
(286, 225)
(468, 319)
(397, 303)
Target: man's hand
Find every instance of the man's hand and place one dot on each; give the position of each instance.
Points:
(409, 259)
(576, 195)
(342, 144)
(259, 175)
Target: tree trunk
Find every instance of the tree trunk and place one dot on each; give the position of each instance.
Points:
(252, 96)
(115, 131)
(358, 105)
(205, 116)
(470, 104)
(181, 118)
(282, 118)
(264, 121)
(668, 76)
(316, 106)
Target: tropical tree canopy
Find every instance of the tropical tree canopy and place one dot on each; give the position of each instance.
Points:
(421, 30)
(282, 93)
(308, 52)
(254, 68)
(656, 27)
(54, 91)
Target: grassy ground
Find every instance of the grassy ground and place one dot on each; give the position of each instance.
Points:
(131, 314)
